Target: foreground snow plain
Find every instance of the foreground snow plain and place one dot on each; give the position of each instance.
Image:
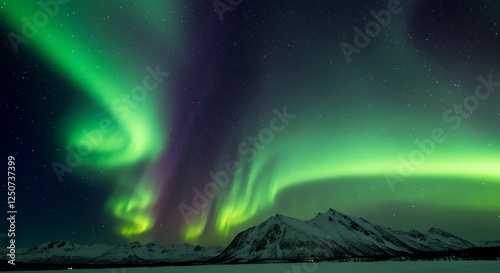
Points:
(351, 267)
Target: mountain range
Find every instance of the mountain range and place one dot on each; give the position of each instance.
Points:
(329, 236)
(62, 252)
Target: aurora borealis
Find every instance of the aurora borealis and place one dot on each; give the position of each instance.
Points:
(120, 113)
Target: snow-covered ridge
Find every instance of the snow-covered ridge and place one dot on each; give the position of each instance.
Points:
(331, 235)
(62, 252)
(495, 243)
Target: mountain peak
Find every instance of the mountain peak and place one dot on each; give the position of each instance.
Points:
(135, 244)
(277, 217)
(56, 244)
(450, 238)
(60, 243)
(491, 243)
(439, 231)
(330, 211)
(330, 214)
(334, 212)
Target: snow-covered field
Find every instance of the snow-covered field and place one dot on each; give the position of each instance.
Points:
(351, 267)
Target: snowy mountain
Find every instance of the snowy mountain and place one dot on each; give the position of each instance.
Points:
(331, 235)
(63, 252)
(495, 243)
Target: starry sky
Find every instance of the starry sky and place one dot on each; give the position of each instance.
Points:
(187, 121)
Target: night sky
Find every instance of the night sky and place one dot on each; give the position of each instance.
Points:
(122, 114)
